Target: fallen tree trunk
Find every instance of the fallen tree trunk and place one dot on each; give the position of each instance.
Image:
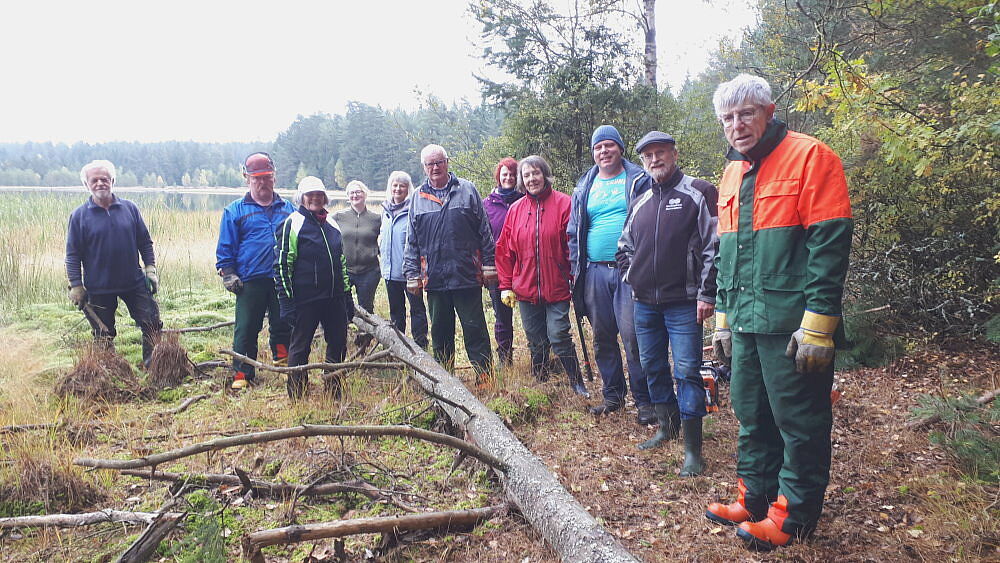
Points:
(447, 520)
(306, 430)
(314, 366)
(264, 488)
(569, 529)
(147, 542)
(74, 520)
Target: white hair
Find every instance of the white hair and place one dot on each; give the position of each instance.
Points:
(94, 164)
(357, 185)
(432, 148)
(740, 90)
(397, 176)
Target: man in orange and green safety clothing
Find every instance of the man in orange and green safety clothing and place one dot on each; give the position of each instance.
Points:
(784, 234)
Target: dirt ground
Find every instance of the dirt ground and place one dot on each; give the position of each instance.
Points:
(891, 496)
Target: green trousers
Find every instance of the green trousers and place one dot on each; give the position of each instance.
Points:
(442, 306)
(257, 298)
(785, 422)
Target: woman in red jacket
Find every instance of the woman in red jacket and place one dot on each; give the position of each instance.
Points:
(532, 258)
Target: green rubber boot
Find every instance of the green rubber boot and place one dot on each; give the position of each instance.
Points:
(669, 416)
(694, 464)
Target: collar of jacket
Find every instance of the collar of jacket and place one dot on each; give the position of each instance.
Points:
(671, 182)
(394, 209)
(91, 204)
(309, 214)
(249, 199)
(542, 196)
(634, 174)
(772, 137)
(452, 182)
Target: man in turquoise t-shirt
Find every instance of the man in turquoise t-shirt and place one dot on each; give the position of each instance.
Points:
(600, 205)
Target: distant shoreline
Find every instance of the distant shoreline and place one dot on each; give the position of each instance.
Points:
(334, 194)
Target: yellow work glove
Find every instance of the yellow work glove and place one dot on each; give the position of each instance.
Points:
(509, 298)
(152, 280)
(812, 344)
(722, 339)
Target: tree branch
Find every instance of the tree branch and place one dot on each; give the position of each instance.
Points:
(84, 519)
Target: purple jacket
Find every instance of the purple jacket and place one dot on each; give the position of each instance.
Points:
(496, 210)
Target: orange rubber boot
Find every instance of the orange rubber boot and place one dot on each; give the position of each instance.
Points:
(732, 514)
(281, 355)
(766, 534)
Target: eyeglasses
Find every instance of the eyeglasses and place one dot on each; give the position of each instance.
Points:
(744, 116)
(441, 162)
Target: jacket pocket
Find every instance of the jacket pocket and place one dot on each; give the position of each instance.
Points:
(728, 213)
(776, 204)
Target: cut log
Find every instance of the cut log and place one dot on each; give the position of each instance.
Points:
(447, 520)
(560, 519)
(306, 430)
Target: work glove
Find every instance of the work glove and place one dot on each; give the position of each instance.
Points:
(490, 277)
(287, 310)
(232, 283)
(812, 345)
(414, 286)
(349, 306)
(509, 298)
(78, 295)
(152, 280)
(722, 339)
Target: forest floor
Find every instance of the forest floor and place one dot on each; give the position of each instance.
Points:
(894, 493)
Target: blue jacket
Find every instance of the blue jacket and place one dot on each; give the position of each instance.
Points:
(247, 236)
(579, 223)
(448, 240)
(392, 241)
(107, 244)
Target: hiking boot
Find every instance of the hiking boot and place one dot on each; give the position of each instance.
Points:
(669, 429)
(646, 415)
(605, 408)
(280, 355)
(766, 534)
(694, 464)
(239, 381)
(732, 514)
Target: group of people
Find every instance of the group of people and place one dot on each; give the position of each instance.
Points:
(646, 253)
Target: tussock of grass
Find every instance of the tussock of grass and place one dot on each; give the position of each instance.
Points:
(100, 374)
(41, 481)
(169, 364)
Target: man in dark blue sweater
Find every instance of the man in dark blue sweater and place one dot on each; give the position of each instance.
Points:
(106, 237)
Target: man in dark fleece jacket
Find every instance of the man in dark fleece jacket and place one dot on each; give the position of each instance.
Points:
(667, 255)
(105, 238)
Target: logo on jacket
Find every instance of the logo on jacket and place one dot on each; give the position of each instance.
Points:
(673, 204)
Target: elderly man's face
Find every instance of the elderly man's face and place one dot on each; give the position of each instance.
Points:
(261, 187)
(608, 157)
(99, 183)
(660, 160)
(436, 167)
(745, 124)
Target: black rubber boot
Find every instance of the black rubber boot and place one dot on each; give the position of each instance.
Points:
(605, 408)
(668, 414)
(645, 415)
(538, 366)
(572, 367)
(694, 464)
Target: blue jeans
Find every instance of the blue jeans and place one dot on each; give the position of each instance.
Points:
(365, 285)
(544, 324)
(676, 324)
(610, 310)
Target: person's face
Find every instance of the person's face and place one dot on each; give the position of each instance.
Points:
(99, 184)
(436, 167)
(314, 201)
(399, 191)
(508, 178)
(660, 160)
(534, 181)
(357, 197)
(608, 156)
(261, 187)
(745, 124)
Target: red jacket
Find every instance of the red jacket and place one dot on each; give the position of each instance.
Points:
(532, 254)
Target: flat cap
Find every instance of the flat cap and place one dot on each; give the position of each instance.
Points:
(653, 137)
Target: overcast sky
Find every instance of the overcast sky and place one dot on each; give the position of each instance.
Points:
(210, 70)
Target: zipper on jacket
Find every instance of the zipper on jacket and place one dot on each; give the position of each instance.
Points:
(333, 271)
(656, 252)
(538, 256)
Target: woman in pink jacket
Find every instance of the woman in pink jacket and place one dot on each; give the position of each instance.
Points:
(532, 258)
